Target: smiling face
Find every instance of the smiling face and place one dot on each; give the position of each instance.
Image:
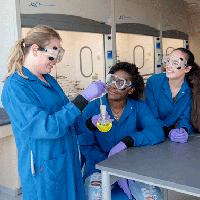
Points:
(43, 64)
(117, 94)
(174, 73)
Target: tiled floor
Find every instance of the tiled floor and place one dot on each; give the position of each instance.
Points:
(171, 196)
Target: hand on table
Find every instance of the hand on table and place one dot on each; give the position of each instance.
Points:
(117, 148)
(178, 135)
(95, 89)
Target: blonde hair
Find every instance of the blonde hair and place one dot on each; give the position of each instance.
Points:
(40, 35)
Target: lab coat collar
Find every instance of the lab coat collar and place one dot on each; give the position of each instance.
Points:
(33, 77)
(130, 106)
(167, 90)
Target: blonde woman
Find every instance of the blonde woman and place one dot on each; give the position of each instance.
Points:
(42, 118)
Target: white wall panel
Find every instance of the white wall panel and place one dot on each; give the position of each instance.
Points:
(98, 10)
(9, 23)
(129, 12)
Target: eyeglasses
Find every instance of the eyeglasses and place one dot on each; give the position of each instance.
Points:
(119, 82)
(174, 61)
(56, 55)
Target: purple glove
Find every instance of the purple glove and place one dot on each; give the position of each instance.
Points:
(124, 185)
(178, 135)
(96, 117)
(117, 148)
(95, 89)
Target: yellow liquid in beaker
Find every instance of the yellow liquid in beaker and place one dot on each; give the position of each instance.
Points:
(104, 127)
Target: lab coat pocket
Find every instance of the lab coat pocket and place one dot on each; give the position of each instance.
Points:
(53, 178)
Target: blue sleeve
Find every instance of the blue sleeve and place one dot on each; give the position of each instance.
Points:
(151, 100)
(151, 131)
(28, 115)
(184, 120)
(88, 145)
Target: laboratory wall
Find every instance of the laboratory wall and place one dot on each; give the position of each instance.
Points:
(9, 23)
(98, 10)
(194, 36)
(194, 45)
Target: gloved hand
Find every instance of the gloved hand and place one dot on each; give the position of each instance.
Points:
(96, 117)
(117, 148)
(124, 185)
(95, 89)
(178, 135)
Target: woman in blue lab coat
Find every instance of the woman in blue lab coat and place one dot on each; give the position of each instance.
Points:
(134, 125)
(42, 118)
(171, 95)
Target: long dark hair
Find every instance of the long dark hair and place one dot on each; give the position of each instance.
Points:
(136, 78)
(193, 79)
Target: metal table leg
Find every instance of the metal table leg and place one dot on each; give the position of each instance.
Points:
(106, 188)
(165, 192)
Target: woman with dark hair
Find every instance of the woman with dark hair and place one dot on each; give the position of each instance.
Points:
(134, 125)
(174, 95)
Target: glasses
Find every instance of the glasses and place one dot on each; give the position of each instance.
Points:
(174, 61)
(119, 82)
(56, 55)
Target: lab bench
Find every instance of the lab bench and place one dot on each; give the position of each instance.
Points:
(9, 176)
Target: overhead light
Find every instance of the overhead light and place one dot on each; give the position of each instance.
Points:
(192, 4)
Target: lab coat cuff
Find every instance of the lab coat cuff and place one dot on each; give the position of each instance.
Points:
(128, 141)
(90, 125)
(80, 102)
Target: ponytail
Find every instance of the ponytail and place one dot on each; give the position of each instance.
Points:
(193, 78)
(40, 35)
(16, 59)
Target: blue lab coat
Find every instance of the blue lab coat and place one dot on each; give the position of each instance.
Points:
(42, 120)
(159, 99)
(95, 145)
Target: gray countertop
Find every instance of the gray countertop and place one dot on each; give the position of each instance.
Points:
(4, 118)
(173, 165)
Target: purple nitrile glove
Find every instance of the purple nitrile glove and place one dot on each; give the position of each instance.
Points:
(95, 89)
(96, 117)
(124, 185)
(178, 135)
(117, 148)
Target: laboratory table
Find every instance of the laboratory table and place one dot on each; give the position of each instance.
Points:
(9, 176)
(168, 165)
(4, 118)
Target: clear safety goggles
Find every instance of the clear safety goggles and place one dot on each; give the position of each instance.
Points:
(56, 55)
(119, 82)
(174, 61)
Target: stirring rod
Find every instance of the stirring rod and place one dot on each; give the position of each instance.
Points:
(100, 101)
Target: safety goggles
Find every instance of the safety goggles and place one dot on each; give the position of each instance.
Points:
(56, 55)
(174, 61)
(119, 82)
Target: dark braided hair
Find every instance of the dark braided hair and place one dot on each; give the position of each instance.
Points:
(136, 79)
